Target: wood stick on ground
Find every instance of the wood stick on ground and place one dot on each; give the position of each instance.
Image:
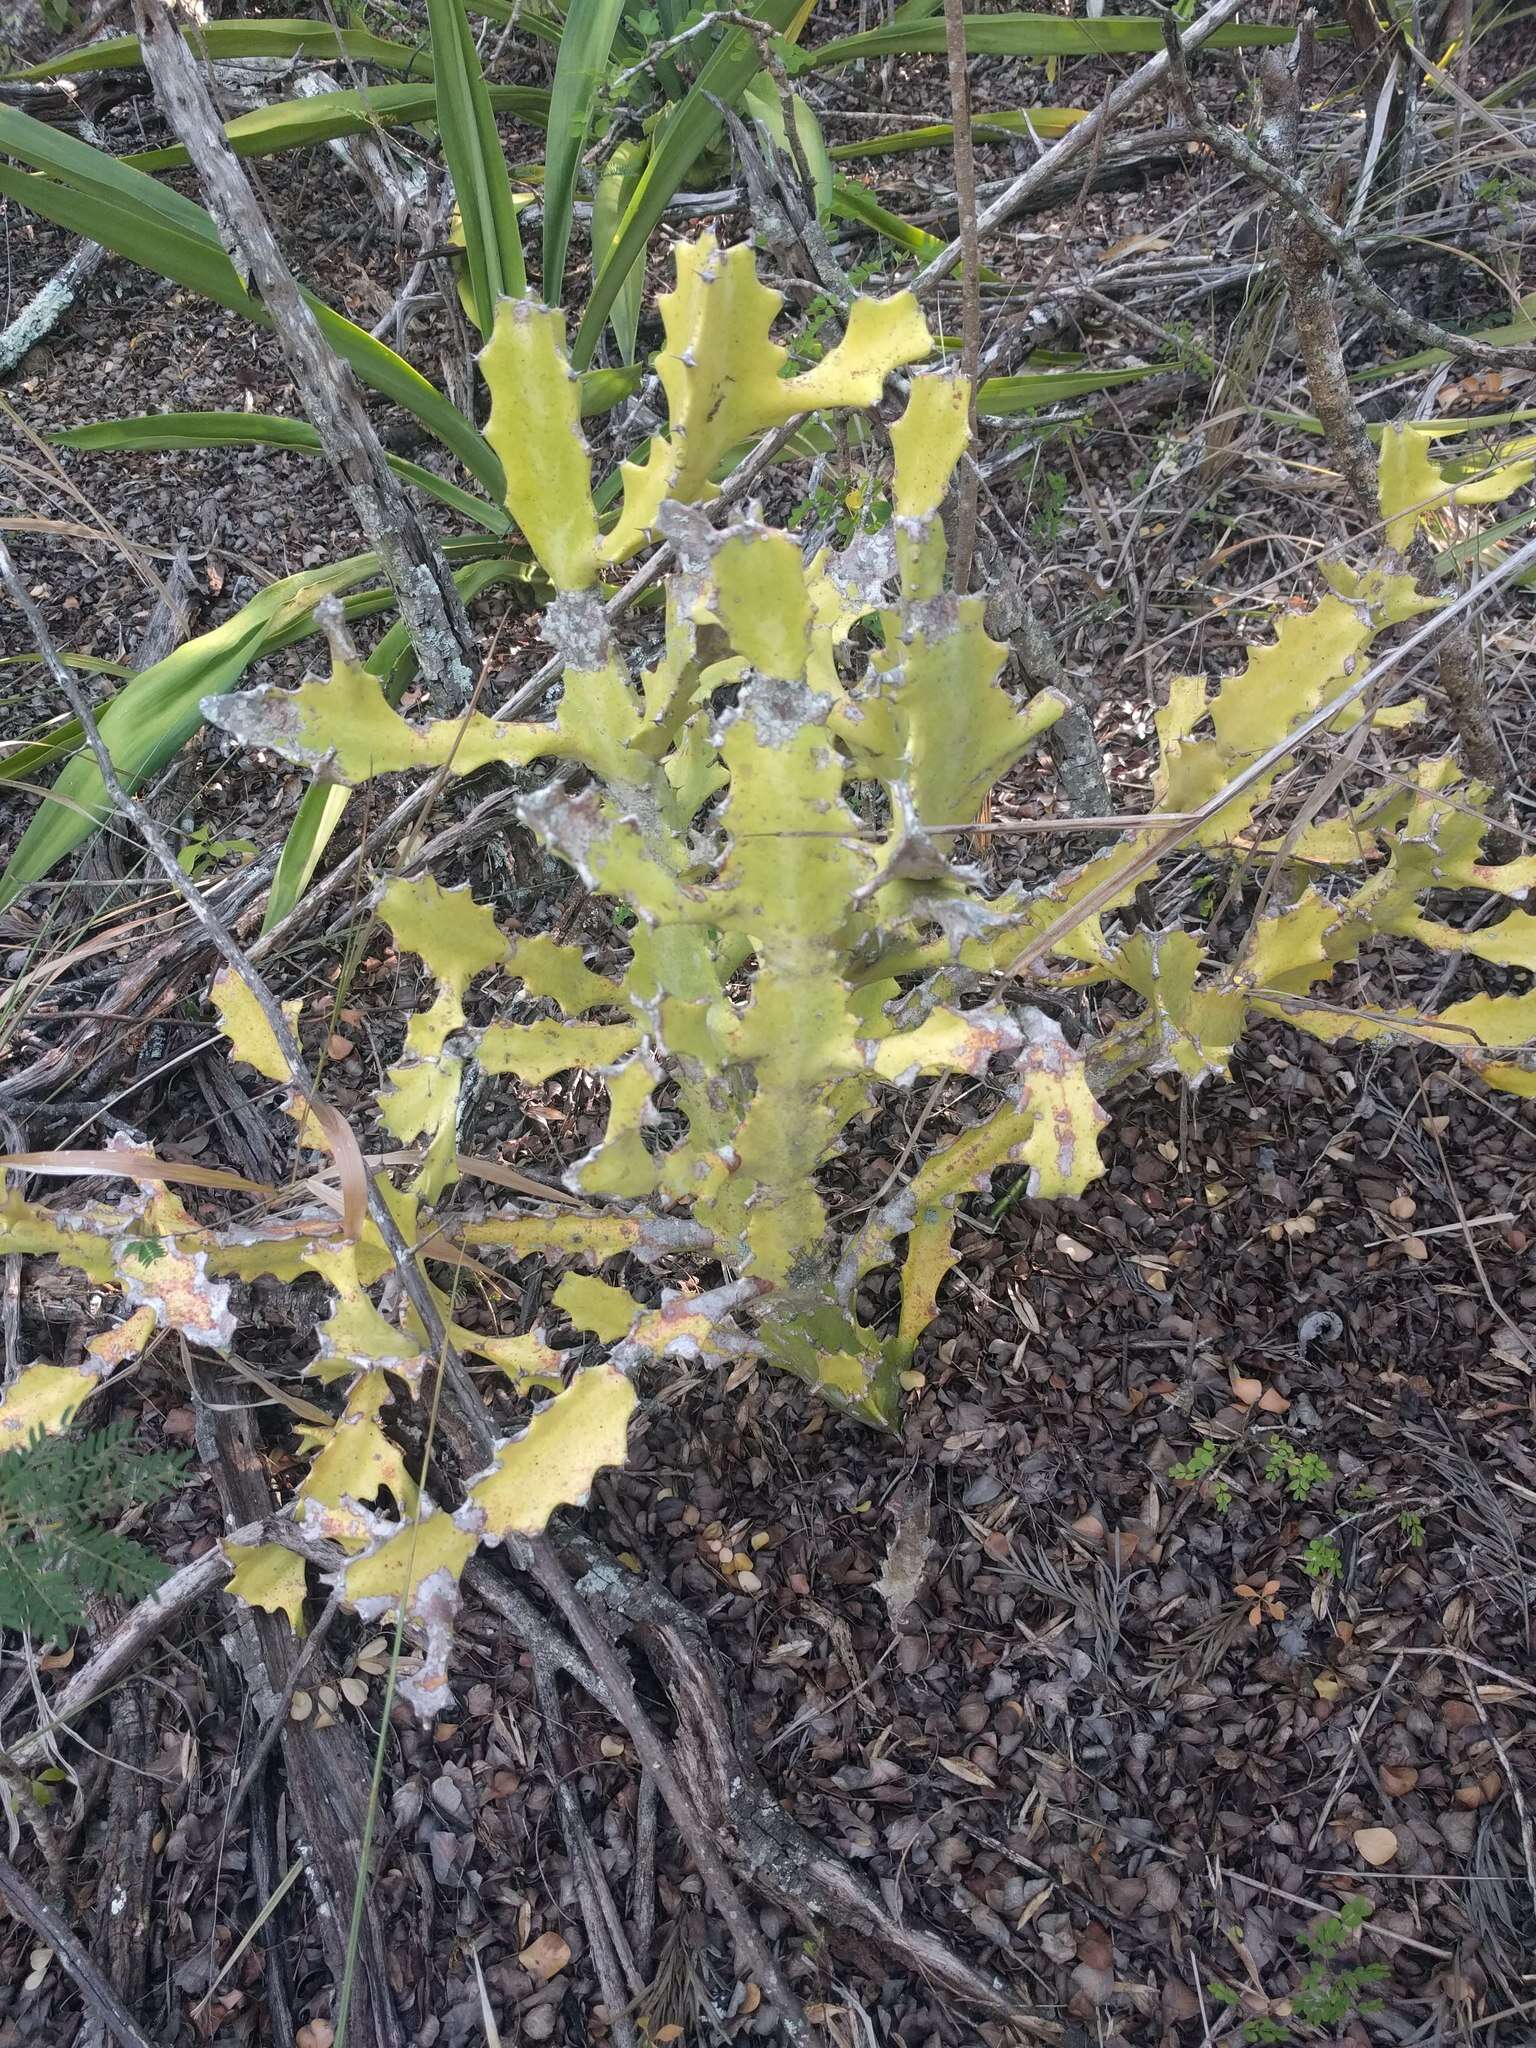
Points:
(785, 1862)
(50, 1926)
(424, 589)
(325, 1767)
(125, 1868)
(611, 1958)
(48, 305)
(276, 1719)
(968, 485)
(125, 1649)
(1240, 152)
(642, 1881)
(752, 1950)
(1025, 190)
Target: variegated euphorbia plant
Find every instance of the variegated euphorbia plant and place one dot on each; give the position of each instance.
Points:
(778, 803)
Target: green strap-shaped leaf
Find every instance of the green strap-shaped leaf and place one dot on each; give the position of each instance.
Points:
(161, 430)
(493, 246)
(1000, 398)
(681, 137)
(97, 196)
(615, 189)
(1048, 123)
(579, 73)
(152, 718)
(1023, 35)
(322, 117)
(273, 40)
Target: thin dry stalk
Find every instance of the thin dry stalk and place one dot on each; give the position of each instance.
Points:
(1025, 190)
(1304, 263)
(616, 1975)
(752, 1950)
(1239, 151)
(417, 572)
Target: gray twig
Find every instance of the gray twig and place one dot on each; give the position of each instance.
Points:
(1304, 259)
(610, 1950)
(125, 1648)
(1239, 151)
(425, 592)
(752, 1950)
(52, 1927)
(1025, 189)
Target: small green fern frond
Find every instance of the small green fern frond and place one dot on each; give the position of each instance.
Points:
(58, 1498)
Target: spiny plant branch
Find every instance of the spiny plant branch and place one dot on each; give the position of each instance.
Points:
(523, 698)
(234, 954)
(1512, 566)
(1240, 152)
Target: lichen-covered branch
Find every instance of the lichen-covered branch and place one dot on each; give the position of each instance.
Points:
(1239, 151)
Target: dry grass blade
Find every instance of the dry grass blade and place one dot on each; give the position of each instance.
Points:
(94, 1161)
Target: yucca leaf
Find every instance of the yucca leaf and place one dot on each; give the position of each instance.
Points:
(760, 98)
(163, 430)
(601, 390)
(852, 201)
(300, 124)
(681, 136)
(26, 759)
(1049, 123)
(493, 247)
(1033, 391)
(135, 216)
(615, 188)
(1518, 330)
(1022, 35)
(579, 73)
(152, 717)
(274, 40)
